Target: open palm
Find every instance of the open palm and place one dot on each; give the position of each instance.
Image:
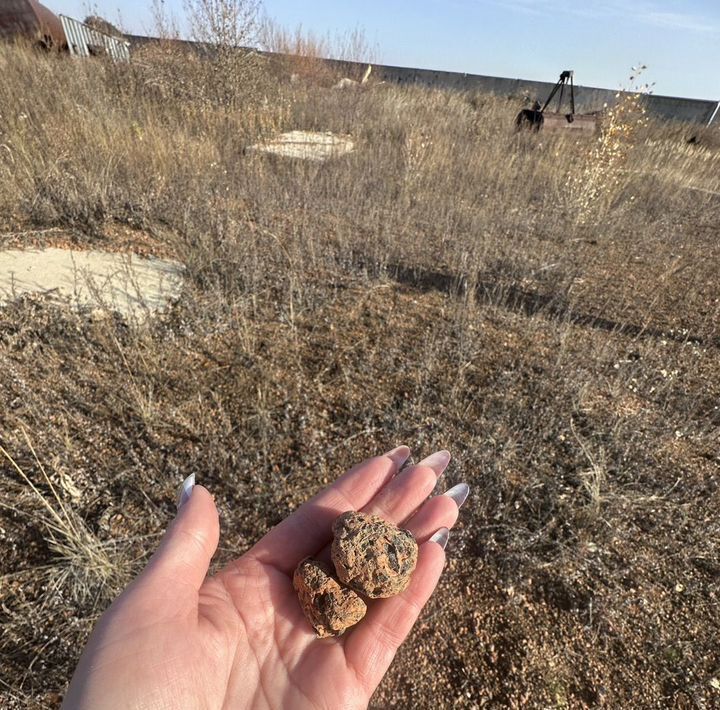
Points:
(179, 639)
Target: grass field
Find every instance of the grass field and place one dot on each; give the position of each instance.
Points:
(548, 310)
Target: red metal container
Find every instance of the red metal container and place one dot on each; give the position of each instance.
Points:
(31, 20)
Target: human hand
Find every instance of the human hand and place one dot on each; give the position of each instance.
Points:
(178, 639)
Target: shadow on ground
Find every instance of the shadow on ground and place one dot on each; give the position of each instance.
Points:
(490, 291)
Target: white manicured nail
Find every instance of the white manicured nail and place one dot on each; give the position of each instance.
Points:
(437, 462)
(458, 493)
(399, 455)
(185, 490)
(441, 537)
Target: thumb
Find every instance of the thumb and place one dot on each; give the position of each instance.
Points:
(188, 546)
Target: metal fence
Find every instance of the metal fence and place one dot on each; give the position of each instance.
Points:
(84, 41)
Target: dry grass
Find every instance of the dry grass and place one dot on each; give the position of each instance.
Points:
(435, 288)
(303, 51)
(85, 572)
(593, 189)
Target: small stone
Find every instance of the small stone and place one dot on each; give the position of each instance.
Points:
(328, 606)
(372, 556)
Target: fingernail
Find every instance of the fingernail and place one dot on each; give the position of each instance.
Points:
(185, 490)
(437, 462)
(458, 493)
(399, 455)
(441, 537)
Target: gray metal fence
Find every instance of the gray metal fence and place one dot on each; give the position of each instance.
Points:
(84, 41)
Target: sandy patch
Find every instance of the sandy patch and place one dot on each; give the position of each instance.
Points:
(134, 286)
(306, 145)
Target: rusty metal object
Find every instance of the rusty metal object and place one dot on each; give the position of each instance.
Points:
(30, 20)
(538, 117)
(570, 122)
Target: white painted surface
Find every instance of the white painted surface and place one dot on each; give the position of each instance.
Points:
(132, 285)
(306, 145)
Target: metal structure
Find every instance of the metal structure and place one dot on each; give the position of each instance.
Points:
(538, 117)
(714, 113)
(31, 20)
(85, 41)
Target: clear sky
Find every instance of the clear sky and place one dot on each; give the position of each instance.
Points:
(529, 39)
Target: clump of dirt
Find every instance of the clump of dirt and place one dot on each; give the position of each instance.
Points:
(372, 556)
(327, 605)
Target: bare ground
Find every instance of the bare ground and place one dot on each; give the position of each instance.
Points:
(433, 288)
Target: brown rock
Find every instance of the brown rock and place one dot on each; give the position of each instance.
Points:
(328, 606)
(372, 556)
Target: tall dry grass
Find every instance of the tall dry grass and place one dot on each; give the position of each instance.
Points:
(435, 286)
(303, 52)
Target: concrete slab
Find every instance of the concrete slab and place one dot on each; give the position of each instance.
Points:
(134, 286)
(306, 145)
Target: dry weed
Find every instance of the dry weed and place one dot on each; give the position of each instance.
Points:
(433, 287)
(82, 563)
(596, 186)
(302, 52)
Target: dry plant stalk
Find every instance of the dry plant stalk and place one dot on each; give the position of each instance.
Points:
(594, 188)
(222, 69)
(418, 144)
(304, 52)
(85, 566)
(322, 318)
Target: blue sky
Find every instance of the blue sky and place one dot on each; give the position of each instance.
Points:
(531, 39)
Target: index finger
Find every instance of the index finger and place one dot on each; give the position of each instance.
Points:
(306, 531)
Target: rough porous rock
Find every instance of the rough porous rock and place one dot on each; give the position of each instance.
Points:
(372, 556)
(328, 606)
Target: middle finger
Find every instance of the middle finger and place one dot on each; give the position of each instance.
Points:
(406, 492)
